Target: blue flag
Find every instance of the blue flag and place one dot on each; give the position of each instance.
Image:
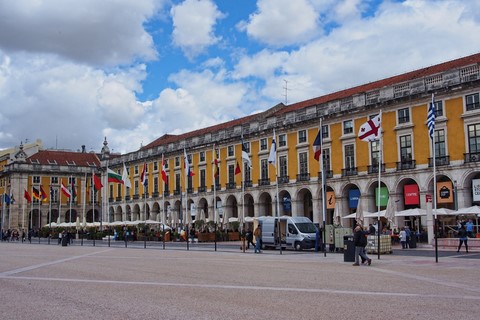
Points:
(431, 118)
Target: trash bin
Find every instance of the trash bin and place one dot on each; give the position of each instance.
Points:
(413, 242)
(348, 249)
(64, 241)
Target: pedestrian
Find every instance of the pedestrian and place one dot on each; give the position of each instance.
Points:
(469, 228)
(258, 238)
(403, 237)
(371, 229)
(192, 234)
(409, 236)
(462, 238)
(360, 241)
(249, 238)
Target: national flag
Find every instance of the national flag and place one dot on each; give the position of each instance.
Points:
(125, 178)
(164, 171)
(36, 193)
(143, 177)
(12, 199)
(216, 169)
(245, 156)
(43, 194)
(26, 195)
(431, 117)
(51, 192)
(6, 198)
(97, 184)
(65, 190)
(186, 165)
(237, 169)
(317, 146)
(272, 157)
(371, 130)
(114, 177)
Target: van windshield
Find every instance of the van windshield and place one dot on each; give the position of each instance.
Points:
(306, 227)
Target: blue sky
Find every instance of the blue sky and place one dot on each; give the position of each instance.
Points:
(132, 71)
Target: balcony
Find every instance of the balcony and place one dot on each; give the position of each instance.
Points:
(230, 185)
(202, 189)
(247, 184)
(145, 195)
(348, 172)
(118, 199)
(110, 199)
(155, 194)
(135, 197)
(217, 187)
(328, 174)
(472, 157)
(166, 193)
(264, 182)
(439, 161)
(406, 165)
(176, 192)
(283, 179)
(127, 198)
(189, 190)
(303, 177)
(374, 168)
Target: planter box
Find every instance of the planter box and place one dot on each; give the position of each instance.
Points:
(234, 236)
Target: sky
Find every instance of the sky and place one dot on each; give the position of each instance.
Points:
(75, 72)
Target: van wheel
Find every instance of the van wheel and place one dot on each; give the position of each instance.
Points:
(297, 246)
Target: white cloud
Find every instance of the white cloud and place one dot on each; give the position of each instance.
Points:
(193, 22)
(282, 22)
(88, 31)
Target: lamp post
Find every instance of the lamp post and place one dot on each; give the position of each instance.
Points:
(455, 196)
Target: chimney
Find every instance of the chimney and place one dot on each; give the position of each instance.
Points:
(83, 149)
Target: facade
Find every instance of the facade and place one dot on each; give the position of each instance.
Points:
(402, 159)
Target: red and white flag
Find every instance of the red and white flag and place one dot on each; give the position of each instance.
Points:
(164, 171)
(65, 191)
(371, 130)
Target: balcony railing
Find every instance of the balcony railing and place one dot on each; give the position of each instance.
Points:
(406, 165)
(328, 174)
(303, 177)
(283, 179)
(118, 199)
(472, 157)
(374, 168)
(189, 190)
(217, 187)
(127, 198)
(176, 192)
(166, 193)
(110, 199)
(155, 194)
(247, 184)
(264, 182)
(230, 185)
(439, 161)
(347, 172)
(202, 189)
(136, 197)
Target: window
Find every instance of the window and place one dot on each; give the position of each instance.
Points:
(403, 116)
(375, 152)
(155, 166)
(54, 195)
(247, 172)
(177, 161)
(473, 138)
(231, 173)
(135, 170)
(347, 127)
(325, 132)
(202, 156)
(440, 148)
(155, 184)
(282, 140)
(54, 180)
(283, 169)
(438, 108)
(302, 136)
(119, 189)
(406, 149)
(52, 161)
(326, 159)
(177, 182)
(72, 180)
(303, 162)
(135, 192)
(473, 101)
(166, 164)
(202, 178)
(36, 179)
(349, 156)
(230, 151)
(263, 144)
(110, 191)
(246, 145)
(264, 169)
(71, 163)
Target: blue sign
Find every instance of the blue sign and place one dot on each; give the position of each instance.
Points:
(353, 196)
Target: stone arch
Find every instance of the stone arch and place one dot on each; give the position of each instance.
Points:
(231, 208)
(155, 211)
(93, 215)
(265, 206)
(203, 205)
(249, 205)
(128, 213)
(284, 203)
(70, 215)
(136, 212)
(118, 214)
(304, 203)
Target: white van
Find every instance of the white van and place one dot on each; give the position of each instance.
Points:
(295, 232)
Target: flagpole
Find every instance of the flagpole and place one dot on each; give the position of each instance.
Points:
(84, 199)
(434, 180)
(186, 172)
(242, 226)
(380, 141)
(145, 184)
(50, 209)
(215, 164)
(31, 212)
(324, 191)
(277, 164)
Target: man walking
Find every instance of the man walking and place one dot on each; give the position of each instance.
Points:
(258, 238)
(360, 241)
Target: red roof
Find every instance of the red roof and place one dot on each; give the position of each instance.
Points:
(64, 158)
(425, 72)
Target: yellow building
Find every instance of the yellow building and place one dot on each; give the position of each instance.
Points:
(351, 166)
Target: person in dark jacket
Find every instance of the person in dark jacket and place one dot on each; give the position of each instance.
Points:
(462, 238)
(360, 241)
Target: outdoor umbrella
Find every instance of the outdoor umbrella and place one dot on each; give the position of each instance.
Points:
(359, 213)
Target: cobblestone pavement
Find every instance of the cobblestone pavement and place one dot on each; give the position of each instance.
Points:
(78, 282)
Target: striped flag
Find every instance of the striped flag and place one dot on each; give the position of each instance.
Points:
(272, 157)
(431, 117)
(317, 145)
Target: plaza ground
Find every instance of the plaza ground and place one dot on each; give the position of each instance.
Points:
(77, 282)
